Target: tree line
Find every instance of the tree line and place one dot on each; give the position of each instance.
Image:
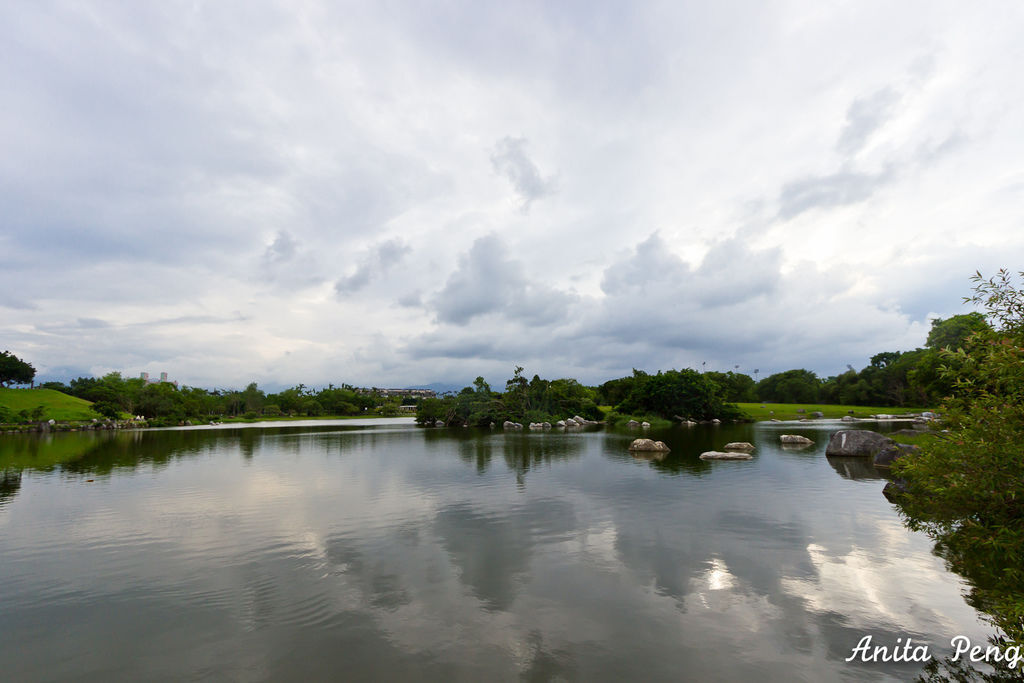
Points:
(893, 378)
(113, 395)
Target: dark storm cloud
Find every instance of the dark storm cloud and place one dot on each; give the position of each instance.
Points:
(380, 258)
(510, 160)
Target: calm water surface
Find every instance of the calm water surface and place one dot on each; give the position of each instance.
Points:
(385, 552)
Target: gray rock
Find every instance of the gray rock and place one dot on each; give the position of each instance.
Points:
(739, 446)
(645, 425)
(889, 454)
(633, 424)
(800, 410)
(560, 423)
(818, 414)
(856, 443)
(894, 489)
(795, 439)
(719, 455)
(439, 423)
(716, 421)
(848, 418)
(648, 445)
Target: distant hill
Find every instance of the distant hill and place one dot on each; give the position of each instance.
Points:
(57, 406)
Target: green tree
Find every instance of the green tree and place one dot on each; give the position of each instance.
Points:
(951, 333)
(14, 370)
(966, 489)
(686, 393)
(736, 387)
(791, 386)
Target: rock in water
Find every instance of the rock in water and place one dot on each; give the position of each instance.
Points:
(795, 439)
(739, 446)
(857, 442)
(887, 455)
(719, 455)
(648, 445)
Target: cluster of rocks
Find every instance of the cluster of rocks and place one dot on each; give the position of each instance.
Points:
(54, 426)
(648, 445)
(690, 423)
(633, 424)
(734, 450)
(568, 423)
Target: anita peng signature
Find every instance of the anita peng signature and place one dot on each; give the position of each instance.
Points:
(911, 652)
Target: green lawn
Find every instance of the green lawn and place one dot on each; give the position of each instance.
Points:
(57, 406)
(788, 411)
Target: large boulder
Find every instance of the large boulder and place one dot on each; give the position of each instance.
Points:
(648, 445)
(739, 446)
(795, 440)
(889, 454)
(719, 455)
(856, 443)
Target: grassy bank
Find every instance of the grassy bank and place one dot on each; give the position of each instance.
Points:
(789, 411)
(56, 406)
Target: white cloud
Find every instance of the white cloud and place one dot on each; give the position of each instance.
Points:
(818, 186)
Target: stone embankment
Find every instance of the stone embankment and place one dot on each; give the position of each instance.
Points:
(80, 426)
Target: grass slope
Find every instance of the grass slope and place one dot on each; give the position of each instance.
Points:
(788, 411)
(57, 406)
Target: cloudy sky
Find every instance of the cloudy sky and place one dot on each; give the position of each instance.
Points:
(399, 193)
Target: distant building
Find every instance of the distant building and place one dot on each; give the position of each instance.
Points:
(402, 393)
(144, 376)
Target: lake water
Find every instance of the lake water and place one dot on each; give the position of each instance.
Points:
(380, 551)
